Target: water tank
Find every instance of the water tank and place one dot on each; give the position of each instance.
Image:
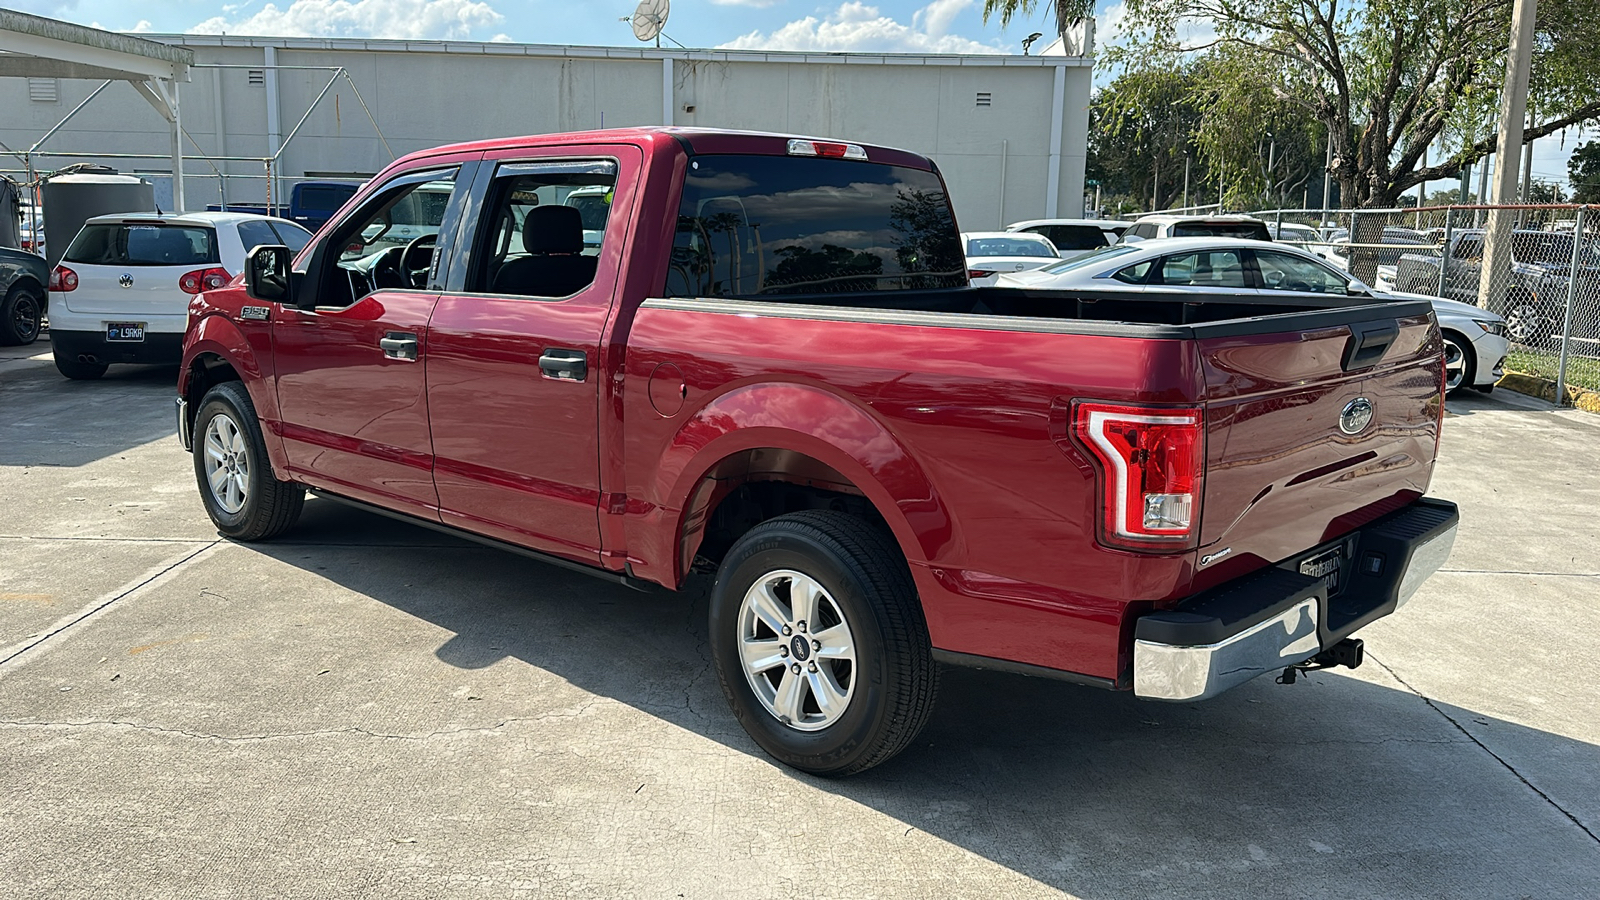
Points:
(10, 213)
(71, 199)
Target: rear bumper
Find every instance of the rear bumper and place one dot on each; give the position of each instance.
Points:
(157, 347)
(1276, 617)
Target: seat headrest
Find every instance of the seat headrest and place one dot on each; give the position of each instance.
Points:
(553, 229)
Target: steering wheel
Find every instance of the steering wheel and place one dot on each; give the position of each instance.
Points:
(417, 259)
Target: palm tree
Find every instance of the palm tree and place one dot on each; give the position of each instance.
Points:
(1067, 11)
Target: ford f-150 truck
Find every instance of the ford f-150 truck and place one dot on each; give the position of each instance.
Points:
(771, 366)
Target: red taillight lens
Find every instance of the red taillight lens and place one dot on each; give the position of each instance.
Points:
(830, 149)
(203, 280)
(1151, 461)
(978, 273)
(63, 279)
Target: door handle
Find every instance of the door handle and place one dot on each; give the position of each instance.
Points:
(564, 365)
(399, 345)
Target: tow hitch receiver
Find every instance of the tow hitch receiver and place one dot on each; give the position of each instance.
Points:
(1349, 653)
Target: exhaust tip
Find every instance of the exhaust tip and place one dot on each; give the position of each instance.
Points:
(87, 358)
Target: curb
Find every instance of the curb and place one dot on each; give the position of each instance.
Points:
(1545, 389)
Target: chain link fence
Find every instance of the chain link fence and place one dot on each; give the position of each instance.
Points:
(1537, 266)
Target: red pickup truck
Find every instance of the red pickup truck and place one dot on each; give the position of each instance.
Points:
(761, 357)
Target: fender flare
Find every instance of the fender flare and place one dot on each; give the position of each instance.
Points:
(219, 336)
(825, 426)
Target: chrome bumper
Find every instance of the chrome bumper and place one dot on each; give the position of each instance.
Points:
(1274, 618)
(184, 437)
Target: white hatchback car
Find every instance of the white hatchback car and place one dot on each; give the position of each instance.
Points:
(121, 292)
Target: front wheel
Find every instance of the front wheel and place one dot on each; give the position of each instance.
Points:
(243, 498)
(1530, 322)
(820, 643)
(20, 315)
(1459, 362)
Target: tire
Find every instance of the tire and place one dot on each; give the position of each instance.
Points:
(242, 496)
(1529, 322)
(72, 368)
(879, 654)
(20, 316)
(1460, 363)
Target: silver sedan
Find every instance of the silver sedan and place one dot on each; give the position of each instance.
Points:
(1474, 338)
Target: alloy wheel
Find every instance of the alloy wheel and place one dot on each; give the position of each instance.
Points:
(227, 464)
(797, 650)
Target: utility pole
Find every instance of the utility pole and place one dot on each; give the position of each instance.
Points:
(1513, 110)
(1185, 181)
(1272, 154)
(1327, 181)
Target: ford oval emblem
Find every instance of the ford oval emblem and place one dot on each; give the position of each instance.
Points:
(1356, 417)
(126, 280)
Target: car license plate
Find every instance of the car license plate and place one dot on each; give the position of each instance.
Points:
(1328, 566)
(125, 331)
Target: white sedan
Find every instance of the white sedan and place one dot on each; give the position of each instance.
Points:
(992, 253)
(1475, 341)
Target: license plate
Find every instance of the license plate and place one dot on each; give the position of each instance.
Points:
(1328, 566)
(125, 331)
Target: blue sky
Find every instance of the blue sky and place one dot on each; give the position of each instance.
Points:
(938, 26)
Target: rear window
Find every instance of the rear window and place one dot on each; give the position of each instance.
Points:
(1253, 231)
(144, 245)
(1076, 237)
(325, 198)
(769, 225)
(1010, 246)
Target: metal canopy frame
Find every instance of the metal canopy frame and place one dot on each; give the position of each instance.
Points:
(37, 47)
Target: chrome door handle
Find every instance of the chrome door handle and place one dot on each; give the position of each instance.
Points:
(564, 365)
(399, 345)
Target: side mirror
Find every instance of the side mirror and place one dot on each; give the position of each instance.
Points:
(266, 273)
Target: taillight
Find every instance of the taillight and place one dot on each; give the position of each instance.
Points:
(831, 149)
(203, 280)
(63, 279)
(1150, 461)
(978, 273)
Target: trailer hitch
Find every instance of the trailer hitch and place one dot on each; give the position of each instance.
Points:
(1350, 653)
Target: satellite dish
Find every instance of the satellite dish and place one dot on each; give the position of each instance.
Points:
(649, 19)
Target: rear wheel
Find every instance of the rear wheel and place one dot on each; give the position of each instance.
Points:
(1460, 365)
(820, 643)
(76, 369)
(1528, 321)
(242, 496)
(20, 315)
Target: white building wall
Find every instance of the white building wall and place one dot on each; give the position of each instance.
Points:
(423, 94)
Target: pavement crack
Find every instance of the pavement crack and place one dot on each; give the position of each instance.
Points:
(1520, 572)
(351, 730)
(1484, 747)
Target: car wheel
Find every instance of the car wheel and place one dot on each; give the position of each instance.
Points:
(1459, 363)
(1528, 322)
(76, 369)
(20, 316)
(820, 644)
(244, 499)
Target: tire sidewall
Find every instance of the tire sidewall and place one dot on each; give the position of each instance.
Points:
(8, 312)
(840, 744)
(1469, 363)
(223, 400)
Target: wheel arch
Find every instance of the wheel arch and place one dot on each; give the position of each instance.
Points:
(215, 350)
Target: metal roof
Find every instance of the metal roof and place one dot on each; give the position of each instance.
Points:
(49, 48)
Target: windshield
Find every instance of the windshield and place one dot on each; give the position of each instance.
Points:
(1009, 246)
(1092, 258)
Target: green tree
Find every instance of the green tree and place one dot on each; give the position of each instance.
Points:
(1583, 172)
(1065, 11)
(1384, 79)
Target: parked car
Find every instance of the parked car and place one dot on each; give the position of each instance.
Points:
(1534, 299)
(1474, 339)
(1164, 225)
(1396, 241)
(311, 203)
(990, 253)
(121, 292)
(1074, 237)
(23, 277)
(776, 370)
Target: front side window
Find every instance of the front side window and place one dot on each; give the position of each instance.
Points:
(1204, 268)
(751, 226)
(144, 245)
(1284, 272)
(542, 229)
(388, 244)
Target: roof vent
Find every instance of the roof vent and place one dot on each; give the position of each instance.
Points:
(42, 90)
(984, 98)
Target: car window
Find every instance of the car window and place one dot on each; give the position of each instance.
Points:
(772, 225)
(1468, 248)
(1076, 237)
(543, 227)
(415, 211)
(144, 245)
(293, 236)
(256, 233)
(1204, 268)
(1010, 246)
(388, 242)
(1136, 273)
(325, 197)
(1286, 272)
(1254, 231)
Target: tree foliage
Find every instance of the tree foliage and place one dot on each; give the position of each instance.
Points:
(1382, 80)
(1065, 11)
(1583, 172)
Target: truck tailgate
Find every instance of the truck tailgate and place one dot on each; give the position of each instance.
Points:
(1290, 463)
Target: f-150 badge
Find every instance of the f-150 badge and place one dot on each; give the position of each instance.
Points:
(255, 312)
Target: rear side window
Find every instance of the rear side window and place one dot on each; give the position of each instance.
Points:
(752, 226)
(293, 236)
(144, 245)
(256, 233)
(1010, 246)
(1206, 268)
(1252, 231)
(1076, 237)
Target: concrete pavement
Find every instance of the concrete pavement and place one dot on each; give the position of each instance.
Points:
(368, 709)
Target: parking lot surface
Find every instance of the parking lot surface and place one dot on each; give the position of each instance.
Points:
(370, 709)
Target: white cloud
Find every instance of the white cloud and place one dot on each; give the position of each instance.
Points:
(142, 27)
(404, 19)
(855, 26)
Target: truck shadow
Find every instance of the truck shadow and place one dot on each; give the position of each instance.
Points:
(51, 421)
(1333, 787)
